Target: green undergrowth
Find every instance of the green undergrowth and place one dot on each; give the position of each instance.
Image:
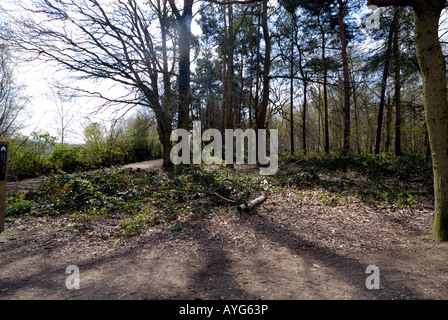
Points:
(382, 180)
(139, 199)
(385, 165)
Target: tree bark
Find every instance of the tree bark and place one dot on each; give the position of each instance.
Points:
(433, 70)
(305, 88)
(397, 148)
(184, 21)
(164, 130)
(164, 125)
(257, 74)
(346, 143)
(240, 102)
(384, 84)
(267, 66)
(224, 75)
(230, 70)
(325, 93)
(291, 131)
(387, 142)
(326, 129)
(251, 69)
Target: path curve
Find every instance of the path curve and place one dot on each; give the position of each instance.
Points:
(30, 184)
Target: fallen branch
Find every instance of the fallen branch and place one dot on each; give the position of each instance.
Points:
(193, 190)
(248, 206)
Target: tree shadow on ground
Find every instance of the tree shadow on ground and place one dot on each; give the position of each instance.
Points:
(350, 270)
(212, 277)
(215, 279)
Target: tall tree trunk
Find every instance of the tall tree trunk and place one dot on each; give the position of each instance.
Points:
(305, 88)
(387, 56)
(397, 148)
(224, 76)
(346, 143)
(433, 70)
(326, 129)
(240, 102)
(230, 70)
(325, 93)
(291, 131)
(267, 66)
(257, 74)
(320, 120)
(164, 125)
(387, 142)
(184, 65)
(251, 68)
(356, 114)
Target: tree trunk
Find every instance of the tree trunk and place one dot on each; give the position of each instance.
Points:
(267, 66)
(397, 148)
(305, 88)
(291, 131)
(384, 84)
(433, 70)
(251, 69)
(184, 66)
(164, 125)
(387, 142)
(164, 129)
(166, 150)
(240, 102)
(326, 131)
(346, 143)
(356, 114)
(230, 70)
(224, 76)
(257, 74)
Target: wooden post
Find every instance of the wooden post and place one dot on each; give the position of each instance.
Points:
(3, 163)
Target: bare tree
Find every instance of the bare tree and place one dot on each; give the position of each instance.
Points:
(117, 43)
(63, 111)
(12, 99)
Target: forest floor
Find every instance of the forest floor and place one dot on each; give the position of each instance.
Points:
(299, 244)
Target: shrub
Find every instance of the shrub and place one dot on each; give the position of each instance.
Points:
(29, 157)
(19, 208)
(67, 158)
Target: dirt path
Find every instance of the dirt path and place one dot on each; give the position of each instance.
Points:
(29, 184)
(298, 246)
(297, 255)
